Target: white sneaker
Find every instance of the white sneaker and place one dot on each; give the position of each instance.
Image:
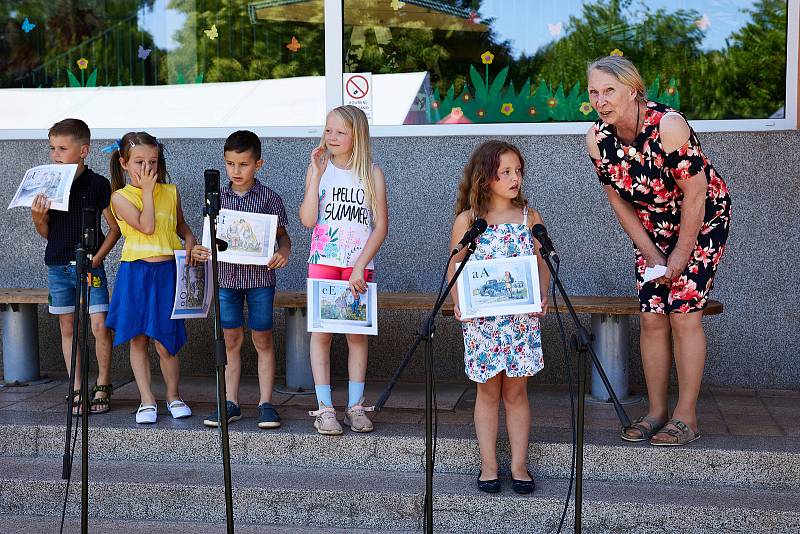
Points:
(146, 414)
(179, 409)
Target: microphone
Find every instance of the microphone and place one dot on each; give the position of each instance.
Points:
(222, 246)
(478, 227)
(540, 233)
(212, 205)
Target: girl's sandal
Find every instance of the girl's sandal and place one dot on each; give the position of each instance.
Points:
(647, 427)
(101, 404)
(674, 434)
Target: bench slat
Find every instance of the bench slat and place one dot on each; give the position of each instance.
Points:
(395, 301)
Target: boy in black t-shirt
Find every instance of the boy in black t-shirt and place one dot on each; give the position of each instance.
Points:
(69, 143)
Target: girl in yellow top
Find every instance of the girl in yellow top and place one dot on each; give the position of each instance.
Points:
(151, 220)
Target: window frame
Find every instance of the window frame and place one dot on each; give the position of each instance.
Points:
(334, 71)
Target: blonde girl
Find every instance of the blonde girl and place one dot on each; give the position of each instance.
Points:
(150, 217)
(500, 353)
(345, 204)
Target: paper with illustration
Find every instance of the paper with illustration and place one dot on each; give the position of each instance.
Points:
(333, 308)
(250, 236)
(54, 181)
(193, 289)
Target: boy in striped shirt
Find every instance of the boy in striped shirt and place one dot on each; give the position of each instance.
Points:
(253, 283)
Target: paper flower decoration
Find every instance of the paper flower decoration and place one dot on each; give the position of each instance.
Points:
(487, 58)
(532, 111)
(585, 108)
(552, 102)
(456, 116)
(466, 97)
(481, 113)
(616, 52)
(83, 63)
(507, 109)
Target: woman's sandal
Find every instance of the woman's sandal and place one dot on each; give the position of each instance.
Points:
(647, 427)
(101, 404)
(680, 434)
(76, 402)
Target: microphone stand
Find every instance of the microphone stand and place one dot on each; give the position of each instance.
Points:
(582, 343)
(80, 336)
(211, 209)
(425, 333)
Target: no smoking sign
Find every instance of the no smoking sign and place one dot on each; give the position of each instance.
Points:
(358, 91)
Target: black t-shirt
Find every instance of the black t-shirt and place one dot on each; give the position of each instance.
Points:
(89, 190)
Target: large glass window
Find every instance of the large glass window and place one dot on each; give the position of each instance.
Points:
(264, 57)
(494, 61)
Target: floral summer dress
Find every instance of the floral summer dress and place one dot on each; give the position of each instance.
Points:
(647, 177)
(510, 343)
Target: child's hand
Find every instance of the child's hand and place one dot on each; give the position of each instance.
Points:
(39, 208)
(189, 245)
(319, 160)
(97, 261)
(147, 179)
(357, 282)
(279, 259)
(200, 254)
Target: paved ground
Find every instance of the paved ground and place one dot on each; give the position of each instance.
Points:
(722, 412)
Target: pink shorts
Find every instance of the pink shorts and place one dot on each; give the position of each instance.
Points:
(329, 272)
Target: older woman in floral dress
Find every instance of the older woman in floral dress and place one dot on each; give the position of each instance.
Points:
(674, 206)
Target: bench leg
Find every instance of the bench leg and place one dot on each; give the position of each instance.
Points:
(298, 353)
(610, 334)
(20, 343)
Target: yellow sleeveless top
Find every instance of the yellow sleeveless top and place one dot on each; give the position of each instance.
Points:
(163, 241)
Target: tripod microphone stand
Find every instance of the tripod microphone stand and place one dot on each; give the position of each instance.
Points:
(425, 333)
(581, 343)
(211, 209)
(80, 337)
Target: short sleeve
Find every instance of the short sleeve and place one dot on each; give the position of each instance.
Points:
(104, 194)
(280, 211)
(602, 172)
(686, 161)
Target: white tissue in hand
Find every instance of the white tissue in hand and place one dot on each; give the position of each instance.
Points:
(651, 273)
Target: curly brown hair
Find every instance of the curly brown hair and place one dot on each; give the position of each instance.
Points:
(473, 191)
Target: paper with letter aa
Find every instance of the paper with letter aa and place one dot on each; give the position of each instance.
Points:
(651, 273)
(193, 289)
(54, 181)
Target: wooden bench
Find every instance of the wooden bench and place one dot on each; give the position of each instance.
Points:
(609, 326)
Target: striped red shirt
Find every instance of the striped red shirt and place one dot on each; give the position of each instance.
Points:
(260, 199)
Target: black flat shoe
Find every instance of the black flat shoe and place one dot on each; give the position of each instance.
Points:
(489, 486)
(523, 487)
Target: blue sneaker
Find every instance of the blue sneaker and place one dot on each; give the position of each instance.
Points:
(234, 414)
(268, 417)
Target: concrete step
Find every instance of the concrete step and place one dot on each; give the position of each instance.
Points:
(27, 524)
(367, 499)
(719, 460)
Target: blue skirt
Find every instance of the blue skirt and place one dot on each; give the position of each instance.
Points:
(141, 303)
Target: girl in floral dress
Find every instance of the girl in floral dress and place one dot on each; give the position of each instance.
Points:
(345, 204)
(500, 353)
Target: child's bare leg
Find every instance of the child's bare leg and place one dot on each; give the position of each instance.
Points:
(65, 323)
(140, 364)
(321, 357)
(518, 423)
(170, 370)
(487, 403)
(233, 371)
(265, 347)
(102, 344)
(357, 345)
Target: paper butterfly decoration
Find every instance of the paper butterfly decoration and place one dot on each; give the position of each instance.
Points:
(144, 52)
(212, 33)
(397, 5)
(27, 25)
(294, 46)
(555, 29)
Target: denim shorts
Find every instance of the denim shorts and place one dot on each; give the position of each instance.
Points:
(61, 289)
(259, 307)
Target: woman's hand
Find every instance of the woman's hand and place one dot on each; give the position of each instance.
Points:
(545, 305)
(457, 314)
(357, 282)
(654, 257)
(676, 263)
(319, 160)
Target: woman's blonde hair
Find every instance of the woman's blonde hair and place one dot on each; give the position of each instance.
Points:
(473, 191)
(128, 142)
(361, 158)
(623, 70)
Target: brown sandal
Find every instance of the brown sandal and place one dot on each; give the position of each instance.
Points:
(101, 404)
(647, 427)
(677, 436)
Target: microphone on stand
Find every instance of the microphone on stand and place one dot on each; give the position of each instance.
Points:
(477, 228)
(540, 233)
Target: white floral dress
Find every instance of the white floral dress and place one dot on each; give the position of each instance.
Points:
(510, 343)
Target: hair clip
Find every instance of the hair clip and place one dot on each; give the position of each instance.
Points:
(132, 143)
(116, 145)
